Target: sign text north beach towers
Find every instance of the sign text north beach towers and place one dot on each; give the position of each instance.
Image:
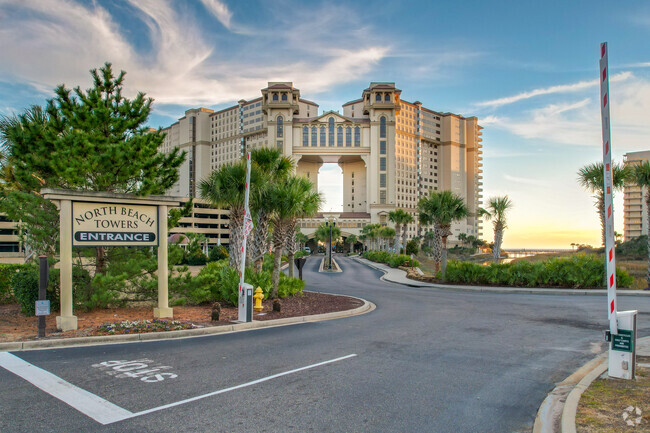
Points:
(114, 224)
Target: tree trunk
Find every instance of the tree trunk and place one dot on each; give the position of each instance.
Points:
(278, 243)
(291, 246)
(100, 262)
(498, 239)
(259, 244)
(444, 256)
(397, 244)
(235, 240)
(404, 242)
(437, 247)
(600, 205)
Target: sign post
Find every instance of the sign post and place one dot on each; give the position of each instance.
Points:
(42, 305)
(245, 303)
(610, 253)
(622, 325)
(101, 219)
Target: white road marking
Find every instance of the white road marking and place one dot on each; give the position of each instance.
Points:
(102, 410)
(243, 385)
(85, 402)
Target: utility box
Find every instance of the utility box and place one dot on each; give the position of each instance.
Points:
(622, 347)
(246, 303)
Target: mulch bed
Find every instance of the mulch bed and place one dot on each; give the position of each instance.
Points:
(14, 326)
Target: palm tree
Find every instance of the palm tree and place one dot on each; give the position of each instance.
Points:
(351, 240)
(496, 211)
(322, 234)
(401, 218)
(292, 198)
(641, 177)
(225, 188)
(462, 238)
(433, 235)
(444, 208)
(591, 178)
(273, 167)
(386, 234)
(370, 231)
(309, 204)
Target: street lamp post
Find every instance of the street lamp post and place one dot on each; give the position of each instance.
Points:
(330, 224)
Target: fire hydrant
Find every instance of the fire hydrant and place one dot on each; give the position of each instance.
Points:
(258, 299)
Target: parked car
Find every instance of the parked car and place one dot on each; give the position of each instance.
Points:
(307, 249)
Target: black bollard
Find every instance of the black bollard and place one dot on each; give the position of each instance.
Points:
(43, 276)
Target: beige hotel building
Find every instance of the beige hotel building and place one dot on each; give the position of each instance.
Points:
(635, 210)
(391, 151)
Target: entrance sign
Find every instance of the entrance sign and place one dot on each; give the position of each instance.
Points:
(111, 224)
(96, 219)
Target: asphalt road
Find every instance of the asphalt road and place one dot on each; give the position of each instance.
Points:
(424, 361)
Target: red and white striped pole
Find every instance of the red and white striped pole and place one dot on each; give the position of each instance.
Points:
(247, 227)
(610, 254)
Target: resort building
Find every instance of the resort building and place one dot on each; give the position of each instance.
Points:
(391, 151)
(635, 210)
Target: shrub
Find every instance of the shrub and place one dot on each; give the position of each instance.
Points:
(25, 285)
(577, 271)
(392, 260)
(412, 247)
(289, 286)
(7, 271)
(197, 259)
(218, 252)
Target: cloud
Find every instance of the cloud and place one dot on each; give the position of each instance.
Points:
(579, 123)
(562, 88)
(44, 43)
(219, 10)
(525, 181)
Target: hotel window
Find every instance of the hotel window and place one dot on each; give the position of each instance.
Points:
(275, 96)
(280, 127)
(284, 96)
(305, 136)
(330, 142)
(382, 164)
(322, 136)
(382, 180)
(348, 136)
(387, 97)
(382, 147)
(382, 197)
(339, 136)
(314, 136)
(378, 97)
(382, 127)
(357, 136)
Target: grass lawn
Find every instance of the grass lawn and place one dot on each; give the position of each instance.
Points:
(603, 404)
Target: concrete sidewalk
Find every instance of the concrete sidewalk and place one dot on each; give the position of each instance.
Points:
(398, 276)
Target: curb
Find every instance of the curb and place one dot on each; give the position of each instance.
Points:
(367, 307)
(480, 289)
(557, 413)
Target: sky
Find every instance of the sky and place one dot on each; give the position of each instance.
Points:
(527, 70)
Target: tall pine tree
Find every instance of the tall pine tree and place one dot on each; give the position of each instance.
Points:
(93, 140)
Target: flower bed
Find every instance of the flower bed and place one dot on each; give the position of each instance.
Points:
(141, 326)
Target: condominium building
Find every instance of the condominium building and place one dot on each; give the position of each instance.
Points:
(391, 151)
(635, 210)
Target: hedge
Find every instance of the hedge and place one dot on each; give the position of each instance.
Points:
(577, 271)
(392, 260)
(7, 271)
